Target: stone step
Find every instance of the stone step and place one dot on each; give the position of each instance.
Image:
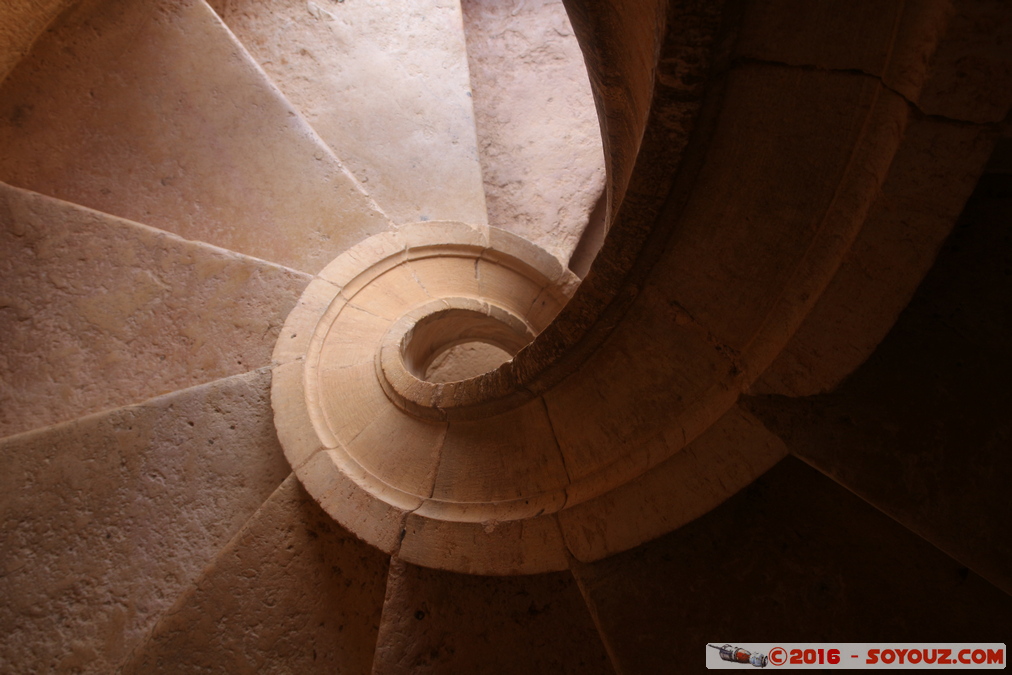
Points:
(108, 518)
(292, 592)
(99, 312)
(154, 112)
(792, 554)
(921, 429)
(443, 622)
(386, 86)
(539, 139)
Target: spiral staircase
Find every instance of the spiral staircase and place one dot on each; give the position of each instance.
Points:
(251, 268)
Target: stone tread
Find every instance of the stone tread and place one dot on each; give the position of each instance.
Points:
(292, 592)
(189, 136)
(99, 312)
(386, 86)
(106, 519)
(443, 622)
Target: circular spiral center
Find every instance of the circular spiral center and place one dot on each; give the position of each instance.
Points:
(389, 441)
(430, 348)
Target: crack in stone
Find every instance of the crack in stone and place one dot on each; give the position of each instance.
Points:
(743, 60)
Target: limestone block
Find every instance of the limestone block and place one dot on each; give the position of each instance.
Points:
(732, 453)
(541, 155)
(929, 180)
(292, 592)
(511, 456)
(188, 135)
(440, 622)
(950, 59)
(968, 75)
(107, 519)
(882, 38)
(340, 485)
(301, 440)
(748, 260)
(620, 43)
(385, 84)
(21, 22)
(368, 433)
(380, 449)
(921, 428)
(316, 298)
(657, 369)
(99, 312)
(481, 544)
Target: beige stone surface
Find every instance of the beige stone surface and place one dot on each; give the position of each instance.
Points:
(99, 312)
(105, 520)
(540, 148)
(21, 22)
(385, 84)
(374, 511)
(920, 199)
(292, 592)
(732, 453)
(747, 261)
(657, 371)
(441, 622)
(786, 198)
(438, 536)
(464, 361)
(153, 112)
(369, 439)
(621, 43)
(511, 456)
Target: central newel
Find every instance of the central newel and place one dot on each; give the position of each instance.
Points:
(371, 439)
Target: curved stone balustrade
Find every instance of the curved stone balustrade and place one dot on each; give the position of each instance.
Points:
(440, 472)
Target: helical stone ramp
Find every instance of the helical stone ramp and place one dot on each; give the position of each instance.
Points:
(475, 475)
(406, 463)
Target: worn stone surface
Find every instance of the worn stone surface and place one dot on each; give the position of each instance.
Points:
(929, 180)
(153, 112)
(372, 442)
(620, 43)
(796, 554)
(441, 622)
(922, 429)
(883, 38)
(540, 147)
(952, 59)
(729, 455)
(98, 312)
(464, 361)
(793, 554)
(385, 84)
(292, 592)
(106, 519)
(972, 65)
(21, 22)
(747, 261)
(655, 374)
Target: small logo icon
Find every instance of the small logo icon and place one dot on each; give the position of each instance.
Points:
(739, 655)
(778, 656)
